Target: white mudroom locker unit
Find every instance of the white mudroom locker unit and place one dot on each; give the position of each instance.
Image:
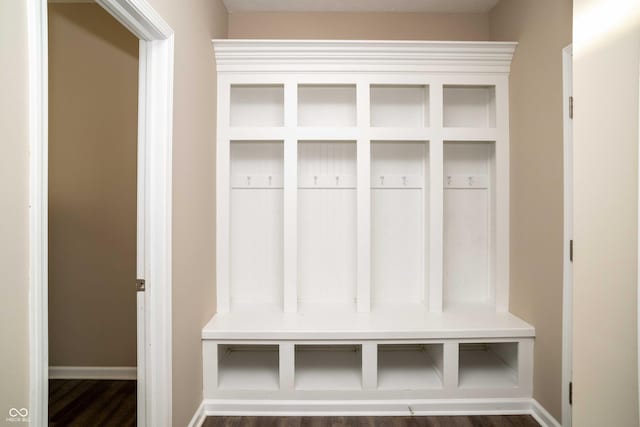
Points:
(363, 231)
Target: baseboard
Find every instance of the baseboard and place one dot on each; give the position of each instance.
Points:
(367, 407)
(92, 372)
(198, 417)
(542, 416)
(219, 407)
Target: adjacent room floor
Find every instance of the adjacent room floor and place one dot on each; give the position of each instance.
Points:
(94, 403)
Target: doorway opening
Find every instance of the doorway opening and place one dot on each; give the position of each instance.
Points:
(93, 130)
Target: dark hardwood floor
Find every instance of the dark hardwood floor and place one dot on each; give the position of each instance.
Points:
(92, 403)
(469, 421)
(96, 403)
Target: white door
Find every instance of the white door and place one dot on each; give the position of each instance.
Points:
(567, 294)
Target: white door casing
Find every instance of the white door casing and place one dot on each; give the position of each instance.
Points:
(567, 293)
(155, 127)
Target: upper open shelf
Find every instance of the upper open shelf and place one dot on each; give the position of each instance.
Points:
(257, 105)
(469, 106)
(327, 105)
(399, 106)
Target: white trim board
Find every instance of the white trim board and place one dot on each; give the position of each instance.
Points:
(430, 407)
(92, 372)
(199, 416)
(542, 416)
(567, 264)
(362, 56)
(155, 133)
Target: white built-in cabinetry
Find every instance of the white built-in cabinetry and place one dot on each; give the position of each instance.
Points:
(363, 230)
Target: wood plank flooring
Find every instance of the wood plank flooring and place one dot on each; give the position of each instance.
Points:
(467, 421)
(96, 403)
(92, 403)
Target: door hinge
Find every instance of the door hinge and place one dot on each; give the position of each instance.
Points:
(571, 107)
(571, 393)
(571, 250)
(140, 285)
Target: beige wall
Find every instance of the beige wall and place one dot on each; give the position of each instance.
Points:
(194, 140)
(14, 193)
(93, 84)
(376, 26)
(541, 28)
(606, 64)
(195, 22)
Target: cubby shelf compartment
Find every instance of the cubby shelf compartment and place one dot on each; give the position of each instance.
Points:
(328, 367)
(327, 105)
(326, 222)
(469, 106)
(410, 366)
(257, 105)
(399, 106)
(256, 226)
(469, 223)
(248, 367)
(400, 221)
(488, 365)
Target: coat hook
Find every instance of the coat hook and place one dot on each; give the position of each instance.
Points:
(337, 180)
(449, 180)
(269, 179)
(381, 179)
(315, 180)
(470, 181)
(404, 181)
(248, 180)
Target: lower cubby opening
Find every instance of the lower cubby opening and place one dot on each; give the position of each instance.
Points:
(488, 365)
(248, 367)
(410, 367)
(328, 367)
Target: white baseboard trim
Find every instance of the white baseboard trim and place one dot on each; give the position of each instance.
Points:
(92, 372)
(367, 407)
(221, 407)
(198, 418)
(542, 416)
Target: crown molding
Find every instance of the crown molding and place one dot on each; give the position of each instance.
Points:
(362, 56)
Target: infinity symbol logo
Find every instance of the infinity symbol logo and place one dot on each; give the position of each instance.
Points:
(23, 412)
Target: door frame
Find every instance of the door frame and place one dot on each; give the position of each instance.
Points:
(155, 129)
(567, 288)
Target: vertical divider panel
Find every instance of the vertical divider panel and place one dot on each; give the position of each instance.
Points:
(436, 198)
(290, 199)
(287, 366)
(450, 369)
(209, 368)
(223, 153)
(525, 366)
(363, 159)
(500, 216)
(369, 366)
